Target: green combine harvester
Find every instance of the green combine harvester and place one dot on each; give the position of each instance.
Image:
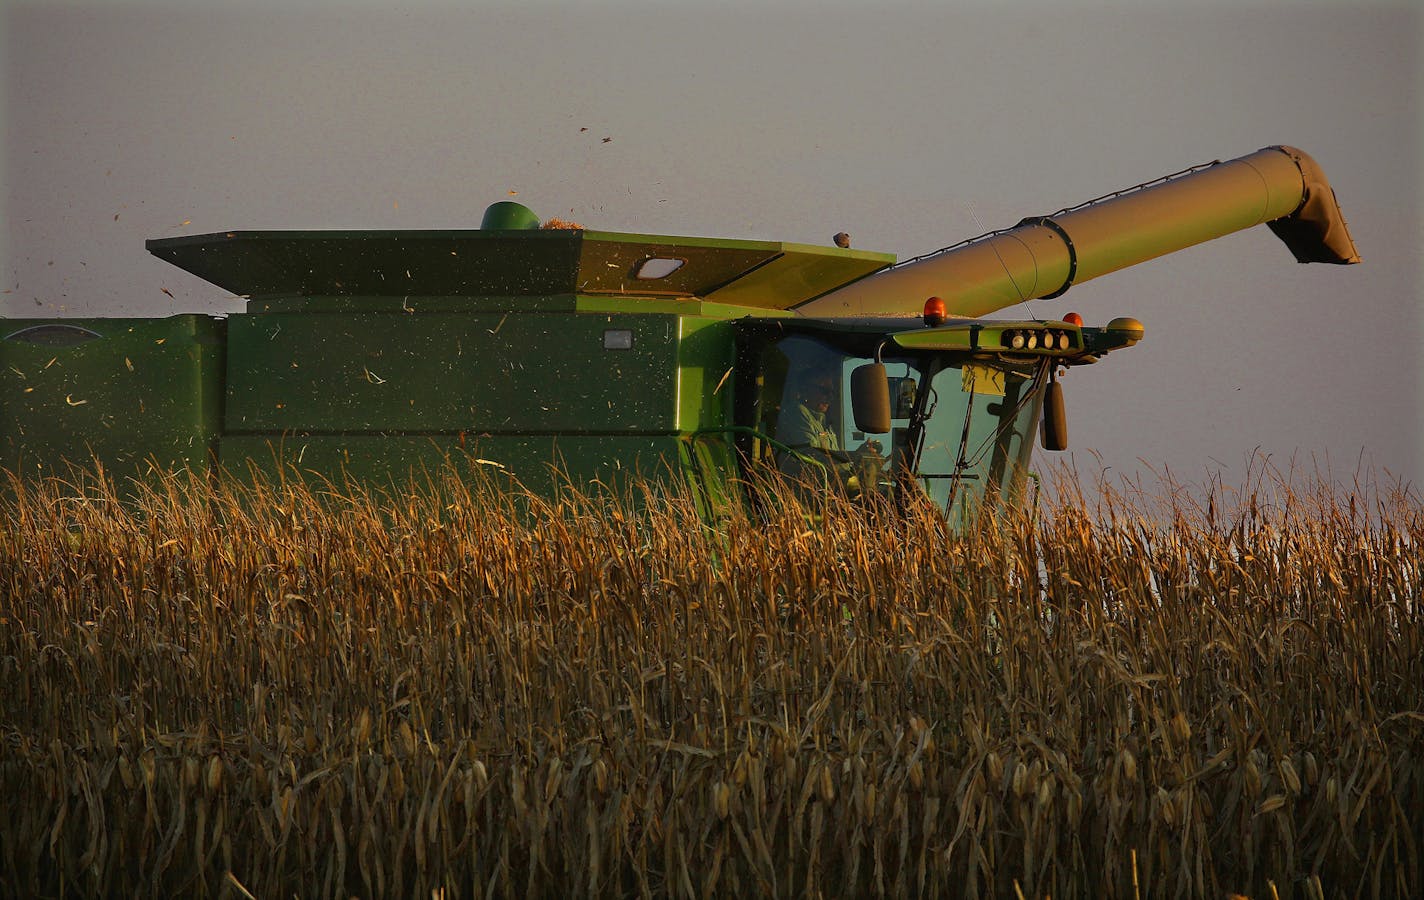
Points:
(566, 355)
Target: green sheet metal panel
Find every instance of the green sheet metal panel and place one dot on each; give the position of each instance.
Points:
(379, 263)
(455, 263)
(116, 391)
(373, 267)
(801, 272)
(447, 373)
(537, 462)
(610, 263)
(706, 354)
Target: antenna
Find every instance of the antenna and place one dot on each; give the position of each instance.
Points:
(978, 225)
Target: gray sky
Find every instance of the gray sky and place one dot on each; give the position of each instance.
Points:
(910, 125)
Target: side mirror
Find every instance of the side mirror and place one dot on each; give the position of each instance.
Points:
(870, 398)
(1054, 435)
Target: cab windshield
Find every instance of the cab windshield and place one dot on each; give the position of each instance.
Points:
(960, 431)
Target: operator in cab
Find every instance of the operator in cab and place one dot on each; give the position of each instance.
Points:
(805, 427)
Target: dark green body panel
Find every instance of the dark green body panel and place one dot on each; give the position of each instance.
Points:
(450, 373)
(533, 396)
(376, 396)
(143, 389)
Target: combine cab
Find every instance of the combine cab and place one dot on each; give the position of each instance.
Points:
(571, 355)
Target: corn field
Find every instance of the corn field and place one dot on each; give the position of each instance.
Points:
(285, 690)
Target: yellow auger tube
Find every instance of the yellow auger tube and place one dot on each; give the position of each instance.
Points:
(1043, 256)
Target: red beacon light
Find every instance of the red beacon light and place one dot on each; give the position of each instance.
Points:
(1074, 319)
(935, 313)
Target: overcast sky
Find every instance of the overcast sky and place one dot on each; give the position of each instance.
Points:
(911, 126)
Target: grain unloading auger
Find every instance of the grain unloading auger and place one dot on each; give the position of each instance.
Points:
(564, 354)
(1043, 256)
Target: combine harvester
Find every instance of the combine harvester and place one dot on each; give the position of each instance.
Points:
(554, 354)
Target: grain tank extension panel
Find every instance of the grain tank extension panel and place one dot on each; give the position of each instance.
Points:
(481, 264)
